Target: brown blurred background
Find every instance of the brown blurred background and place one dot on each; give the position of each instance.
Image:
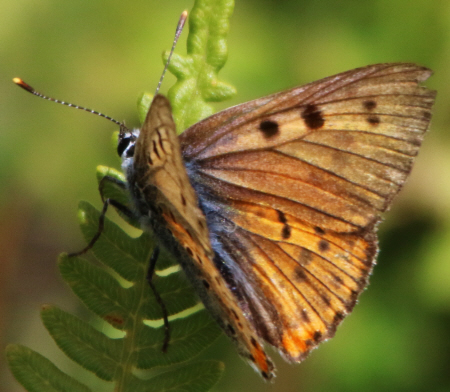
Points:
(102, 54)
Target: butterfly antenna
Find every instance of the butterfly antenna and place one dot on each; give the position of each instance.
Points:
(31, 90)
(178, 31)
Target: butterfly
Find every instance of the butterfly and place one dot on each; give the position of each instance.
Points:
(272, 206)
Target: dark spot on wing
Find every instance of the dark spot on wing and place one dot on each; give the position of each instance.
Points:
(189, 250)
(286, 232)
(312, 116)
(155, 150)
(319, 230)
(362, 282)
(160, 140)
(370, 104)
(331, 330)
(326, 299)
(426, 115)
(305, 316)
(264, 375)
(415, 141)
(300, 274)
(373, 120)
(317, 336)
(281, 217)
(354, 295)
(172, 216)
(306, 257)
(231, 330)
(253, 340)
(269, 128)
(338, 279)
(324, 245)
(206, 284)
(338, 317)
(183, 200)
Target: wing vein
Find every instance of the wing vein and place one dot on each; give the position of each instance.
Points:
(284, 198)
(290, 282)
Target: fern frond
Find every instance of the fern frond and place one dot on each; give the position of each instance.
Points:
(115, 287)
(197, 72)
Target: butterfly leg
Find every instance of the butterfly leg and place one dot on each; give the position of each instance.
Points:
(121, 184)
(106, 202)
(101, 223)
(150, 272)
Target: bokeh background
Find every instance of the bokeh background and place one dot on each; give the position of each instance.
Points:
(102, 54)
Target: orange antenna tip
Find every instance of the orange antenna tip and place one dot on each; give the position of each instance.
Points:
(183, 18)
(22, 84)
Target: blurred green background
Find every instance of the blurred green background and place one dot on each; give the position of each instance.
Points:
(102, 54)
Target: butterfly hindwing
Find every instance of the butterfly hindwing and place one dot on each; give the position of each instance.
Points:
(297, 289)
(293, 185)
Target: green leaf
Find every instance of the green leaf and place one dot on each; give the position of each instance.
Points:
(112, 190)
(124, 300)
(187, 336)
(194, 377)
(197, 71)
(144, 102)
(37, 374)
(125, 255)
(83, 343)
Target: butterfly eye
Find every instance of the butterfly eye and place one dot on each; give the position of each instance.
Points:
(123, 145)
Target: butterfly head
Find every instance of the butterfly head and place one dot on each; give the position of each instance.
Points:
(126, 144)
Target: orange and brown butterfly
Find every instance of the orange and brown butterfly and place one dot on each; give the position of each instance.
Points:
(272, 206)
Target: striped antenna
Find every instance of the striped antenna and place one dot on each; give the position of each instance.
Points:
(123, 128)
(178, 31)
(31, 90)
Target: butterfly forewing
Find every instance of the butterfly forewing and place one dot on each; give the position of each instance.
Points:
(253, 124)
(163, 193)
(293, 185)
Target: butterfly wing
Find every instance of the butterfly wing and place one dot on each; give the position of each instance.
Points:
(160, 174)
(160, 185)
(293, 186)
